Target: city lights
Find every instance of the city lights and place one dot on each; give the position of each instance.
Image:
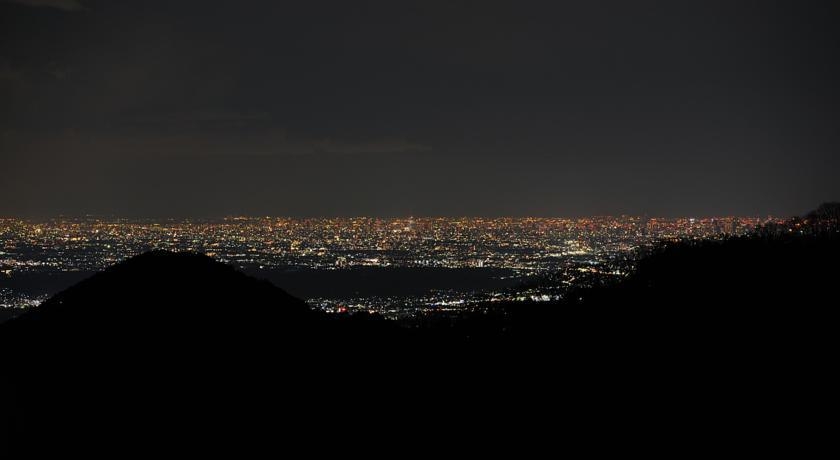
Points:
(562, 253)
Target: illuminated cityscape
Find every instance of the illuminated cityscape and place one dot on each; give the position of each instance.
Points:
(522, 259)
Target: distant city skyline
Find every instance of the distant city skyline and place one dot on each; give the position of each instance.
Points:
(507, 251)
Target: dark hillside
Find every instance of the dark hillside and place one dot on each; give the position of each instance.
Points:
(177, 341)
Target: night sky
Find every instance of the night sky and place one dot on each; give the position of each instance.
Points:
(394, 108)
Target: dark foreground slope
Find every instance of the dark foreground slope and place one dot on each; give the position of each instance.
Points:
(709, 293)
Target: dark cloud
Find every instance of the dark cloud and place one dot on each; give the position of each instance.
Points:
(231, 143)
(10, 74)
(374, 146)
(67, 5)
(215, 116)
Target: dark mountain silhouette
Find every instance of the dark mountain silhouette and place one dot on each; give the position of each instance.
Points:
(217, 362)
(161, 299)
(164, 293)
(175, 340)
